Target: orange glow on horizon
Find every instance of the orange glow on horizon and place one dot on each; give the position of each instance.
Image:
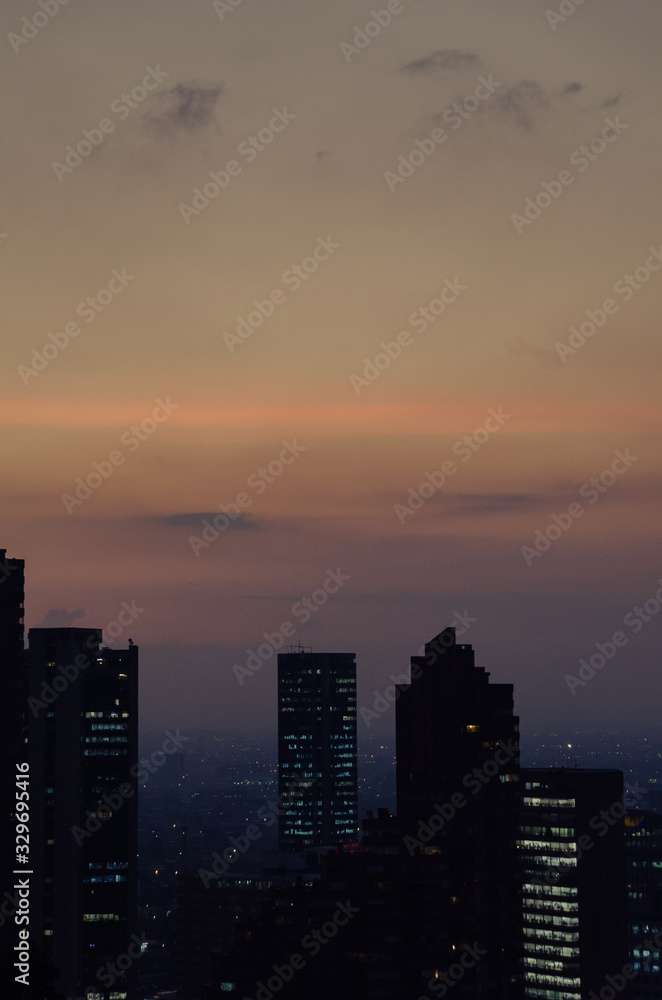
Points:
(526, 416)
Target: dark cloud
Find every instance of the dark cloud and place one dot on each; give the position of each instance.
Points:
(524, 104)
(321, 154)
(442, 59)
(59, 618)
(545, 356)
(467, 504)
(572, 88)
(559, 494)
(193, 520)
(184, 108)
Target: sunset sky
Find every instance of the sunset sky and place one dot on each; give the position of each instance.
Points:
(348, 146)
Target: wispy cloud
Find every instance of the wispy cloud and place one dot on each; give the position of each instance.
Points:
(60, 618)
(241, 522)
(524, 104)
(443, 59)
(184, 107)
(545, 356)
(469, 504)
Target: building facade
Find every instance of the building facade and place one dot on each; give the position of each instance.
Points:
(83, 745)
(317, 757)
(643, 847)
(574, 897)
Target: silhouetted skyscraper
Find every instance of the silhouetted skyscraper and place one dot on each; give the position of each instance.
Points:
(574, 888)
(13, 690)
(457, 746)
(83, 737)
(317, 776)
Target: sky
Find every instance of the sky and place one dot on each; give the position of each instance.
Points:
(367, 293)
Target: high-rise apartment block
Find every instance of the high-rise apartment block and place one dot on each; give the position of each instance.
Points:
(574, 891)
(317, 764)
(83, 750)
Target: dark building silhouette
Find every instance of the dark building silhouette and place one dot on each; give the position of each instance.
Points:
(317, 763)
(211, 919)
(434, 892)
(83, 743)
(574, 887)
(643, 847)
(457, 773)
(463, 893)
(13, 689)
(260, 939)
(12, 702)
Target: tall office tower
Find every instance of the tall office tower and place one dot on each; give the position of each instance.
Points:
(643, 848)
(12, 721)
(457, 773)
(317, 767)
(83, 736)
(574, 883)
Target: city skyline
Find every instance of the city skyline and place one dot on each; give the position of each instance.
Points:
(331, 327)
(384, 287)
(448, 857)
